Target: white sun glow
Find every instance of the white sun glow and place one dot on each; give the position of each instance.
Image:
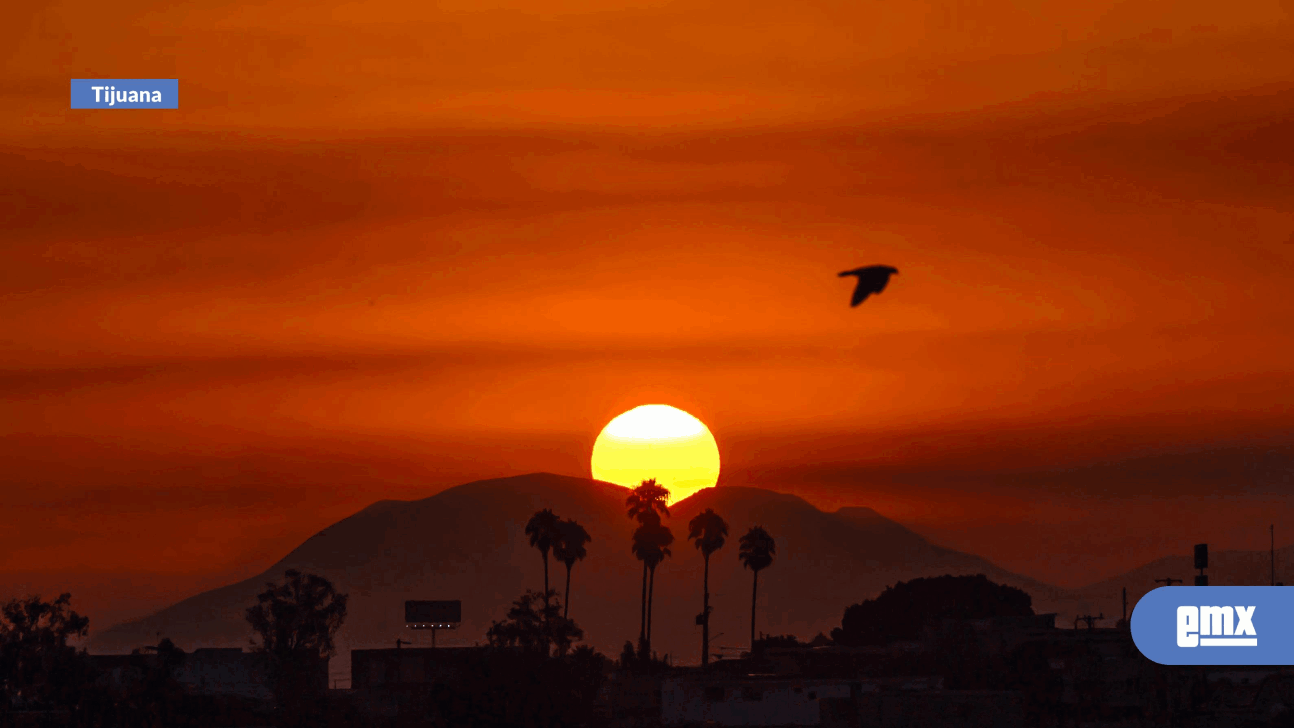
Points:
(661, 442)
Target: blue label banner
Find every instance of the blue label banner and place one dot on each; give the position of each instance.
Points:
(125, 93)
(1216, 625)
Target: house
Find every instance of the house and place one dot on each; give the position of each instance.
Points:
(215, 671)
(406, 666)
(227, 671)
(630, 700)
(389, 682)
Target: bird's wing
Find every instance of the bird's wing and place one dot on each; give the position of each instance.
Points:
(876, 277)
(861, 292)
(871, 279)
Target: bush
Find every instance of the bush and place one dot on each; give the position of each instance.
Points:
(903, 610)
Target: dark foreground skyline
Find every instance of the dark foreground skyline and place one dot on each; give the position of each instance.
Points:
(928, 650)
(443, 547)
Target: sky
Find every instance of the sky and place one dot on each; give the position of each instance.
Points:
(383, 248)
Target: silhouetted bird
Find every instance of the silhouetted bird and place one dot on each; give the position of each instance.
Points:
(871, 279)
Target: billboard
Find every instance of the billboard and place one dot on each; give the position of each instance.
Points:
(424, 612)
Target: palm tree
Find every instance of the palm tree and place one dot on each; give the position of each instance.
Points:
(543, 533)
(651, 546)
(646, 505)
(757, 551)
(642, 550)
(569, 549)
(648, 500)
(707, 530)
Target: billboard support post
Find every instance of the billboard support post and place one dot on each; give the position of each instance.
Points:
(433, 616)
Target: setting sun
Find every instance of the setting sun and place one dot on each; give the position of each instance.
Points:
(661, 442)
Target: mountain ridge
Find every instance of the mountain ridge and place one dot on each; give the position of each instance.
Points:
(1227, 567)
(467, 542)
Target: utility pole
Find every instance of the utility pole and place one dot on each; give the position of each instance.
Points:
(1272, 528)
(1201, 563)
(1125, 605)
(1168, 582)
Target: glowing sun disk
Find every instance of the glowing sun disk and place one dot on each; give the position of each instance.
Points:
(661, 442)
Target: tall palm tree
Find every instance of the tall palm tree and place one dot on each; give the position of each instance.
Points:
(569, 549)
(663, 538)
(643, 551)
(651, 545)
(648, 500)
(756, 554)
(543, 533)
(708, 531)
(646, 504)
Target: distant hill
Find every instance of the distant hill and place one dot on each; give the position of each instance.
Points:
(1226, 568)
(468, 543)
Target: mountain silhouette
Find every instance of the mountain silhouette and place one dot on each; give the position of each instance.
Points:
(467, 543)
(1226, 568)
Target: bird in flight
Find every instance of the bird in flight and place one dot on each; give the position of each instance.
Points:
(871, 279)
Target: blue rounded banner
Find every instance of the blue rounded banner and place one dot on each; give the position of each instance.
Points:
(1216, 625)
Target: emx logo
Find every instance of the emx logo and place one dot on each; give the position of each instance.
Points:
(1216, 627)
(1170, 623)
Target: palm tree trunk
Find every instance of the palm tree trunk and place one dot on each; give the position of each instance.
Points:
(566, 606)
(705, 614)
(545, 578)
(651, 587)
(753, 592)
(642, 629)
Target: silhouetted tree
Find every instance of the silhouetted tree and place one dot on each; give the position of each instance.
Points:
(534, 628)
(628, 656)
(543, 533)
(38, 668)
(708, 531)
(519, 680)
(296, 622)
(646, 504)
(903, 610)
(651, 545)
(648, 501)
(643, 550)
(569, 549)
(756, 553)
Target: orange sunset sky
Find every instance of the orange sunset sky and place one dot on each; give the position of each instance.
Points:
(383, 248)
